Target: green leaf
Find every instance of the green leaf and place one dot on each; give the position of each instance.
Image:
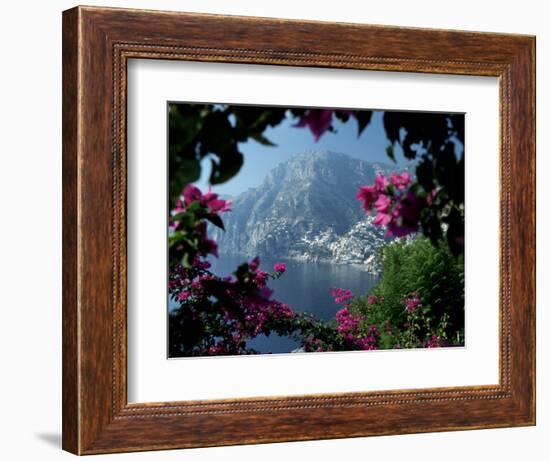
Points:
(182, 171)
(194, 207)
(176, 237)
(228, 167)
(390, 153)
(184, 128)
(187, 260)
(187, 219)
(424, 173)
(242, 271)
(343, 116)
(261, 139)
(363, 119)
(216, 220)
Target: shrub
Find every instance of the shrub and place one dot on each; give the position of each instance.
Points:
(421, 289)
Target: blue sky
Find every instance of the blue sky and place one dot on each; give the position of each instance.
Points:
(291, 141)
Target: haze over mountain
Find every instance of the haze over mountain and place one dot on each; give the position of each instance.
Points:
(306, 209)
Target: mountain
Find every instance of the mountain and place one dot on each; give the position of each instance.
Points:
(306, 209)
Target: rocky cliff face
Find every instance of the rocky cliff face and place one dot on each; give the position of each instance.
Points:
(306, 209)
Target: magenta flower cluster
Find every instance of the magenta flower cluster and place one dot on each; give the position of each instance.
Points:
(279, 268)
(209, 200)
(341, 296)
(373, 299)
(231, 309)
(219, 313)
(319, 121)
(412, 302)
(312, 344)
(435, 341)
(396, 205)
(198, 208)
(350, 327)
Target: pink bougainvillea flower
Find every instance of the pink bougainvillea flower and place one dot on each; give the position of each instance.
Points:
(412, 205)
(412, 302)
(183, 295)
(260, 278)
(200, 228)
(180, 207)
(367, 195)
(398, 227)
(431, 196)
(196, 284)
(372, 299)
(380, 182)
(382, 204)
(396, 230)
(173, 225)
(434, 341)
(383, 212)
(405, 216)
(346, 320)
(398, 208)
(254, 264)
(214, 203)
(317, 120)
(206, 245)
(200, 264)
(210, 200)
(340, 295)
(368, 343)
(280, 268)
(208, 196)
(219, 206)
(347, 111)
(400, 180)
(349, 328)
(191, 194)
(266, 292)
(382, 218)
(211, 247)
(284, 310)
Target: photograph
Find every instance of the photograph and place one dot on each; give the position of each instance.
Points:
(307, 229)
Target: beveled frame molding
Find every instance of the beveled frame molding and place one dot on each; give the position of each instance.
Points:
(97, 43)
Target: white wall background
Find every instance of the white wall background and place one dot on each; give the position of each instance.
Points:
(30, 228)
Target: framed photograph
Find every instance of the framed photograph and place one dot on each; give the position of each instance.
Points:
(281, 230)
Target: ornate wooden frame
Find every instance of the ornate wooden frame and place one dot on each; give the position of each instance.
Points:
(97, 43)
